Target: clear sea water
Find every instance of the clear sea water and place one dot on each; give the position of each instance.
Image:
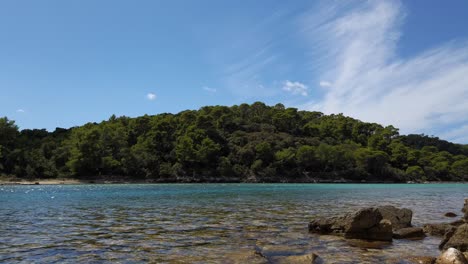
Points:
(206, 223)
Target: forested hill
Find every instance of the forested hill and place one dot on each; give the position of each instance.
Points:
(245, 143)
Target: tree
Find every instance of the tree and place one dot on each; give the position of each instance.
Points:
(460, 169)
(305, 156)
(415, 173)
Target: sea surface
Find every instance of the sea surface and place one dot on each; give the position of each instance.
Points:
(206, 223)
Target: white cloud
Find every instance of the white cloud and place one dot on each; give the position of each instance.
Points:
(295, 88)
(20, 111)
(325, 84)
(208, 89)
(426, 93)
(151, 96)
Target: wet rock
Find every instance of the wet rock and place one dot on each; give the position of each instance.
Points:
(450, 214)
(409, 232)
(327, 225)
(366, 223)
(437, 229)
(400, 218)
(456, 238)
(421, 260)
(366, 244)
(465, 210)
(451, 256)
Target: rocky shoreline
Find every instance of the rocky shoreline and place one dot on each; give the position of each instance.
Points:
(385, 223)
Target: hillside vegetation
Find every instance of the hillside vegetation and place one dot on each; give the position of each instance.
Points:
(242, 143)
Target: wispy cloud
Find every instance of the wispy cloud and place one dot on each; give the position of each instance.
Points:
(151, 96)
(426, 93)
(210, 90)
(20, 111)
(325, 84)
(295, 88)
(248, 60)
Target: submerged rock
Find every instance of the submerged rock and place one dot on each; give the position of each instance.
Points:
(422, 260)
(450, 214)
(244, 256)
(456, 238)
(301, 259)
(327, 225)
(465, 210)
(437, 229)
(451, 256)
(409, 232)
(400, 218)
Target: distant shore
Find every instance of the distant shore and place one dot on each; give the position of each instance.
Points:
(70, 181)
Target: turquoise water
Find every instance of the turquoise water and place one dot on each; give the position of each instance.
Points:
(204, 223)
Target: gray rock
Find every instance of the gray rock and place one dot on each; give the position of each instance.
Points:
(400, 218)
(327, 225)
(409, 232)
(437, 229)
(456, 238)
(366, 223)
(451, 256)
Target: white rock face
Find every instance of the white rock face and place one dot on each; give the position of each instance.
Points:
(451, 256)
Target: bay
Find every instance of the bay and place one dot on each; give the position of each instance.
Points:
(205, 223)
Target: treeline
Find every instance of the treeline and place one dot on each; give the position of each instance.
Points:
(244, 143)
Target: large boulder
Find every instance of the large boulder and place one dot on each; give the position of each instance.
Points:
(366, 223)
(456, 238)
(451, 256)
(409, 233)
(400, 218)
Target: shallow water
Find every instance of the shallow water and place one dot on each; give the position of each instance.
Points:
(205, 223)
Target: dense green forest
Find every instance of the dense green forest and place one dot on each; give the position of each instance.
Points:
(242, 143)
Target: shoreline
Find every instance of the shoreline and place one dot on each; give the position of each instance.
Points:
(109, 181)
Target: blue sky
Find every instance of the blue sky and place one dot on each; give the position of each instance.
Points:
(65, 63)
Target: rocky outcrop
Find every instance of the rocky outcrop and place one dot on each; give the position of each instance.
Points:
(451, 256)
(409, 233)
(400, 218)
(456, 238)
(366, 223)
